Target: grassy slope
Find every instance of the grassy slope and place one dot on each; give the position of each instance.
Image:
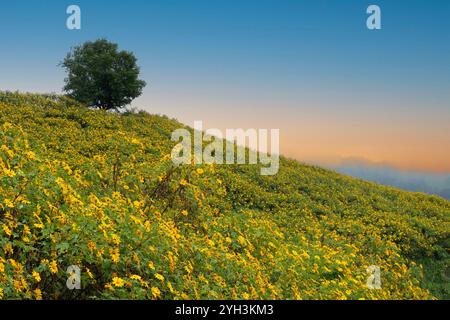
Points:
(98, 190)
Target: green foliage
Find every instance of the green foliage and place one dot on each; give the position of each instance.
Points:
(99, 75)
(98, 190)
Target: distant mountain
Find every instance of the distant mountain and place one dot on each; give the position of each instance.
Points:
(384, 174)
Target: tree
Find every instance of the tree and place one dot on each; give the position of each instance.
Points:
(101, 76)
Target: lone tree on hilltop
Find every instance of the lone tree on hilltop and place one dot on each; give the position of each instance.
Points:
(99, 75)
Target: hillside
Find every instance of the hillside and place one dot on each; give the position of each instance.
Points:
(98, 190)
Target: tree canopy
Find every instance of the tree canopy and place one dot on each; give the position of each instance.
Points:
(99, 75)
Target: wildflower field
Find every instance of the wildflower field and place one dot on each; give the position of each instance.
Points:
(98, 190)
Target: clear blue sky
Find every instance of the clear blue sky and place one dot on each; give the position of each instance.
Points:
(277, 64)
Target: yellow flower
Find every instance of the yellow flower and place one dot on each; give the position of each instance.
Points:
(151, 265)
(242, 241)
(184, 182)
(38, 294)
(91, 245)
(8, 152)
(160, 277)
(8, 249)
(116, 195)
(118, 282)
(7, 126)
(53, 267)
(8, 203)
(26, 230)
(19, 285)
(116, 239)
(9, 173)
(39, 225)
(7, 230)
(115, 255)
(16, 265)
(184, 213)
(68, 169)
(200, 171)
(169, 285)
(138, 204)
(31, 155)
(135, 277)
(155, 292)
(184, 296)
(189, 268)
(36, 276)
(109, 286)
(89, 273)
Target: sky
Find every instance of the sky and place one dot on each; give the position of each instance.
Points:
(335, 89)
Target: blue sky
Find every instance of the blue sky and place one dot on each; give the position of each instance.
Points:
(311, 68)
